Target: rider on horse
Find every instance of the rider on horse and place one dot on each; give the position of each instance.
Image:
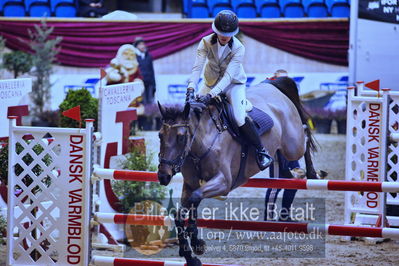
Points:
(224, 73)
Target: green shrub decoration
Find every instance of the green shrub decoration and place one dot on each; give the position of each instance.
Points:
(4, 164)
(17, 62)
(132, 192)
(27, 159)
(45, 49)
(88, 108)
(3, 230)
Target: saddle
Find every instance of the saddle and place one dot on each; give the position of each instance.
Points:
(262, 121)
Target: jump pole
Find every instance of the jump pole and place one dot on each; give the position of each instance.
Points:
(306, 228)
(306, 184)
(109, 261)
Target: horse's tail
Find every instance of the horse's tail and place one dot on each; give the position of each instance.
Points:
(288, 87)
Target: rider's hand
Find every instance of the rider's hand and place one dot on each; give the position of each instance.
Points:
(205, 99)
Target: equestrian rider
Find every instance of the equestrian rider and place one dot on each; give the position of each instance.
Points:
(224, 73)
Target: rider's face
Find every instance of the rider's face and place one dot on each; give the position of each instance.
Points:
(223, 40)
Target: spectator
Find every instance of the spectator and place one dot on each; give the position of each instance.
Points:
(280, 73)
(92, 8)
(277, 74)
(147, 70)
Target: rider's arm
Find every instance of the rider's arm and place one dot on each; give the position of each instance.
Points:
(232, 71)
(198, 65)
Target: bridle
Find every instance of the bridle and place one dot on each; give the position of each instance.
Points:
(177, 163)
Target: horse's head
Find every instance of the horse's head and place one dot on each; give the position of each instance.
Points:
(175, 141)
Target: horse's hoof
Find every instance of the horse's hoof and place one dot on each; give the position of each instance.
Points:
(198, 246)
(181, 252)
(194, 262)
(322, 174)
(186, 251)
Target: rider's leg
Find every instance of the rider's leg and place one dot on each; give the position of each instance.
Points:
(236, 95)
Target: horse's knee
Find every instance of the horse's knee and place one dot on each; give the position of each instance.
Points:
(195, 198)
(225, 189)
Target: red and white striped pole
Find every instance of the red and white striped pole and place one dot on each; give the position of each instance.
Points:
(306, 228)
(109, 261)
(310, 184)
(336, 185)
(127, 175)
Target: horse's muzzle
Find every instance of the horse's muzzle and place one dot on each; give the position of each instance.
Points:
(164, 178)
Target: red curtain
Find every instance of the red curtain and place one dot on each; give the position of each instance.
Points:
(325, 41)
(94, 44)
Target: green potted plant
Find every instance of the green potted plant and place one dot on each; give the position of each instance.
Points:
(88, 107)
(140, 197)
(17, 62)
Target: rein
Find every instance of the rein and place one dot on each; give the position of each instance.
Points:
(197, 159)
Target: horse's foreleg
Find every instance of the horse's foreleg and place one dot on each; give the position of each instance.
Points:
(215, 187)
(192, 203)
(197, 244)
(220, 185)
(184, 247)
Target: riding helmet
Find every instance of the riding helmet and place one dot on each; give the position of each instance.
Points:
(225, 23)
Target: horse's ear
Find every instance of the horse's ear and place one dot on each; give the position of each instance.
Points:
(161, 109)
(186, 110)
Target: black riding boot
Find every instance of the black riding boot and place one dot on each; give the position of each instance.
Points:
(262, 157)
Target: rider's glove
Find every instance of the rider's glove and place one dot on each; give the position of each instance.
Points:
(215, 91)
(205, 99)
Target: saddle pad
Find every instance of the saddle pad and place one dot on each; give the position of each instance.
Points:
(262, 120)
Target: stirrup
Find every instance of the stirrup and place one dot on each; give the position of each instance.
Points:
(264, 153)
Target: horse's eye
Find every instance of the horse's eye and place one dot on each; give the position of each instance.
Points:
(181, 138)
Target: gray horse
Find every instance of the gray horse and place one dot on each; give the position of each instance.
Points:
(192, 142)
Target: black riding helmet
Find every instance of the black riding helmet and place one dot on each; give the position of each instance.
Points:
(225, 23)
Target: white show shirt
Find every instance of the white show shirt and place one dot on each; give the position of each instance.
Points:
(221, 49)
